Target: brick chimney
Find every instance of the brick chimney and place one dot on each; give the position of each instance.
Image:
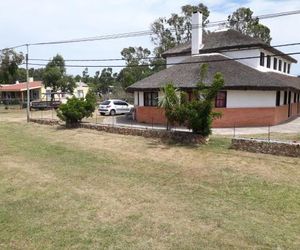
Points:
(196, 32)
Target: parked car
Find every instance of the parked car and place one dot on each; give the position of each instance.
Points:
(113, 107)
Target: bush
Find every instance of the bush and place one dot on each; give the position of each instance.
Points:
(76, 109)
(197, 114)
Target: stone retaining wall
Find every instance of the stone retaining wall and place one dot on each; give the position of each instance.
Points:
(51, 122)
(266, 147)
(176, 136)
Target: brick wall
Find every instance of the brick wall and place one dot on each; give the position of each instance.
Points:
(150, 115)
(239, 117)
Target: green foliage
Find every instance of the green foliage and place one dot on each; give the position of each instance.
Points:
(170, 101)
(9, 64)
(243, 21)
(138, 66)
(169, 32)
(55, 77)
(76, 109)
(103, 83)
(197, 114)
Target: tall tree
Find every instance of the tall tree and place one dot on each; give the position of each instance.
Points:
(9, 65)
(169, 32)
(36, 74)
(243, 21)
(56, 78)
(138, 65)
(104, 82)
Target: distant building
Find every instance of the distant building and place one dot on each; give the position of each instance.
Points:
(17, 93)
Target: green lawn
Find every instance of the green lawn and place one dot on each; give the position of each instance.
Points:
(80, 189)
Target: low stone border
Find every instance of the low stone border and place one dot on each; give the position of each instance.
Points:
(176, 136)
(291, 149)
(51, 122)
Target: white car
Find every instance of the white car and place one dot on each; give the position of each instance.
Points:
(113, 107)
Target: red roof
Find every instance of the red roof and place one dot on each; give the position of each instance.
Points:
(22, 86)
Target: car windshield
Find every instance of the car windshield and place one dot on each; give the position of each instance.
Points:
(105, 103)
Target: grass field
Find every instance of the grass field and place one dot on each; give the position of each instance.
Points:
(79, 189)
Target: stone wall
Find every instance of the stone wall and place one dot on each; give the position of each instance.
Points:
(51, 122)
(266, 147)
(176, 136)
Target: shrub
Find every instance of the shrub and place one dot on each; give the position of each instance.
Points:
(76, 109)
(197, 114)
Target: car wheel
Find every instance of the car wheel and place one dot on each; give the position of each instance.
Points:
(112, 112)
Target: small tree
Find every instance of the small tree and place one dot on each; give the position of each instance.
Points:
(169, 103)
(197, 114)
(76, 109)
(56, 78)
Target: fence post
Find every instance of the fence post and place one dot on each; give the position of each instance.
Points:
(152, 122)
(269, 131)
(234, 130)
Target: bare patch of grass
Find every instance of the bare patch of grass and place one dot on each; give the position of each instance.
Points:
(86, 189)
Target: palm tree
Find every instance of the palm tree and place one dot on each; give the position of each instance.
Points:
(169, 102)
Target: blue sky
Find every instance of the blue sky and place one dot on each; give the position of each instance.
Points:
(41, 20)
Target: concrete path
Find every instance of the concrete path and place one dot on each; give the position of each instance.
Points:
(289, 127)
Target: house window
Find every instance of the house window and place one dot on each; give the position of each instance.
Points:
(280, 65)
(289, 68)
(285, 98)
(278, 98)
(151, 99)
(221, 99)
(284, 67)
(290, 97)
(262, 59)
(295, 97)
(268, 61)
(80, 93)
(275, 64)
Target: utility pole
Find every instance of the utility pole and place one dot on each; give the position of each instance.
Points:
(27, 84)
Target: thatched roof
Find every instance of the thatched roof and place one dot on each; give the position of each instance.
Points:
(236, 75)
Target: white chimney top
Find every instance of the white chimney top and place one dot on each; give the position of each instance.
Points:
(30, 79)
(197, 31)
(17, 82)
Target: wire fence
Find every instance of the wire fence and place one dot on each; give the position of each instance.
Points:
(283, 132)
(267, 133)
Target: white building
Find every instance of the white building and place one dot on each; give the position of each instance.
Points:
(259, 88)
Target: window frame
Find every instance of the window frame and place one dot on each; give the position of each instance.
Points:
(285, 99)
(280, 65)
(289, 68)
(275, 63)
(262, 59)
(153, 100)
(223, 100)
(278, 97)
(268, 61)
(284, 67)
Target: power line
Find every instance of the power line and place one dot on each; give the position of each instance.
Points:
(145, 32)
(149, 58)
(170, 64)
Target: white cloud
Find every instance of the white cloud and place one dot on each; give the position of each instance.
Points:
(41, 20)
